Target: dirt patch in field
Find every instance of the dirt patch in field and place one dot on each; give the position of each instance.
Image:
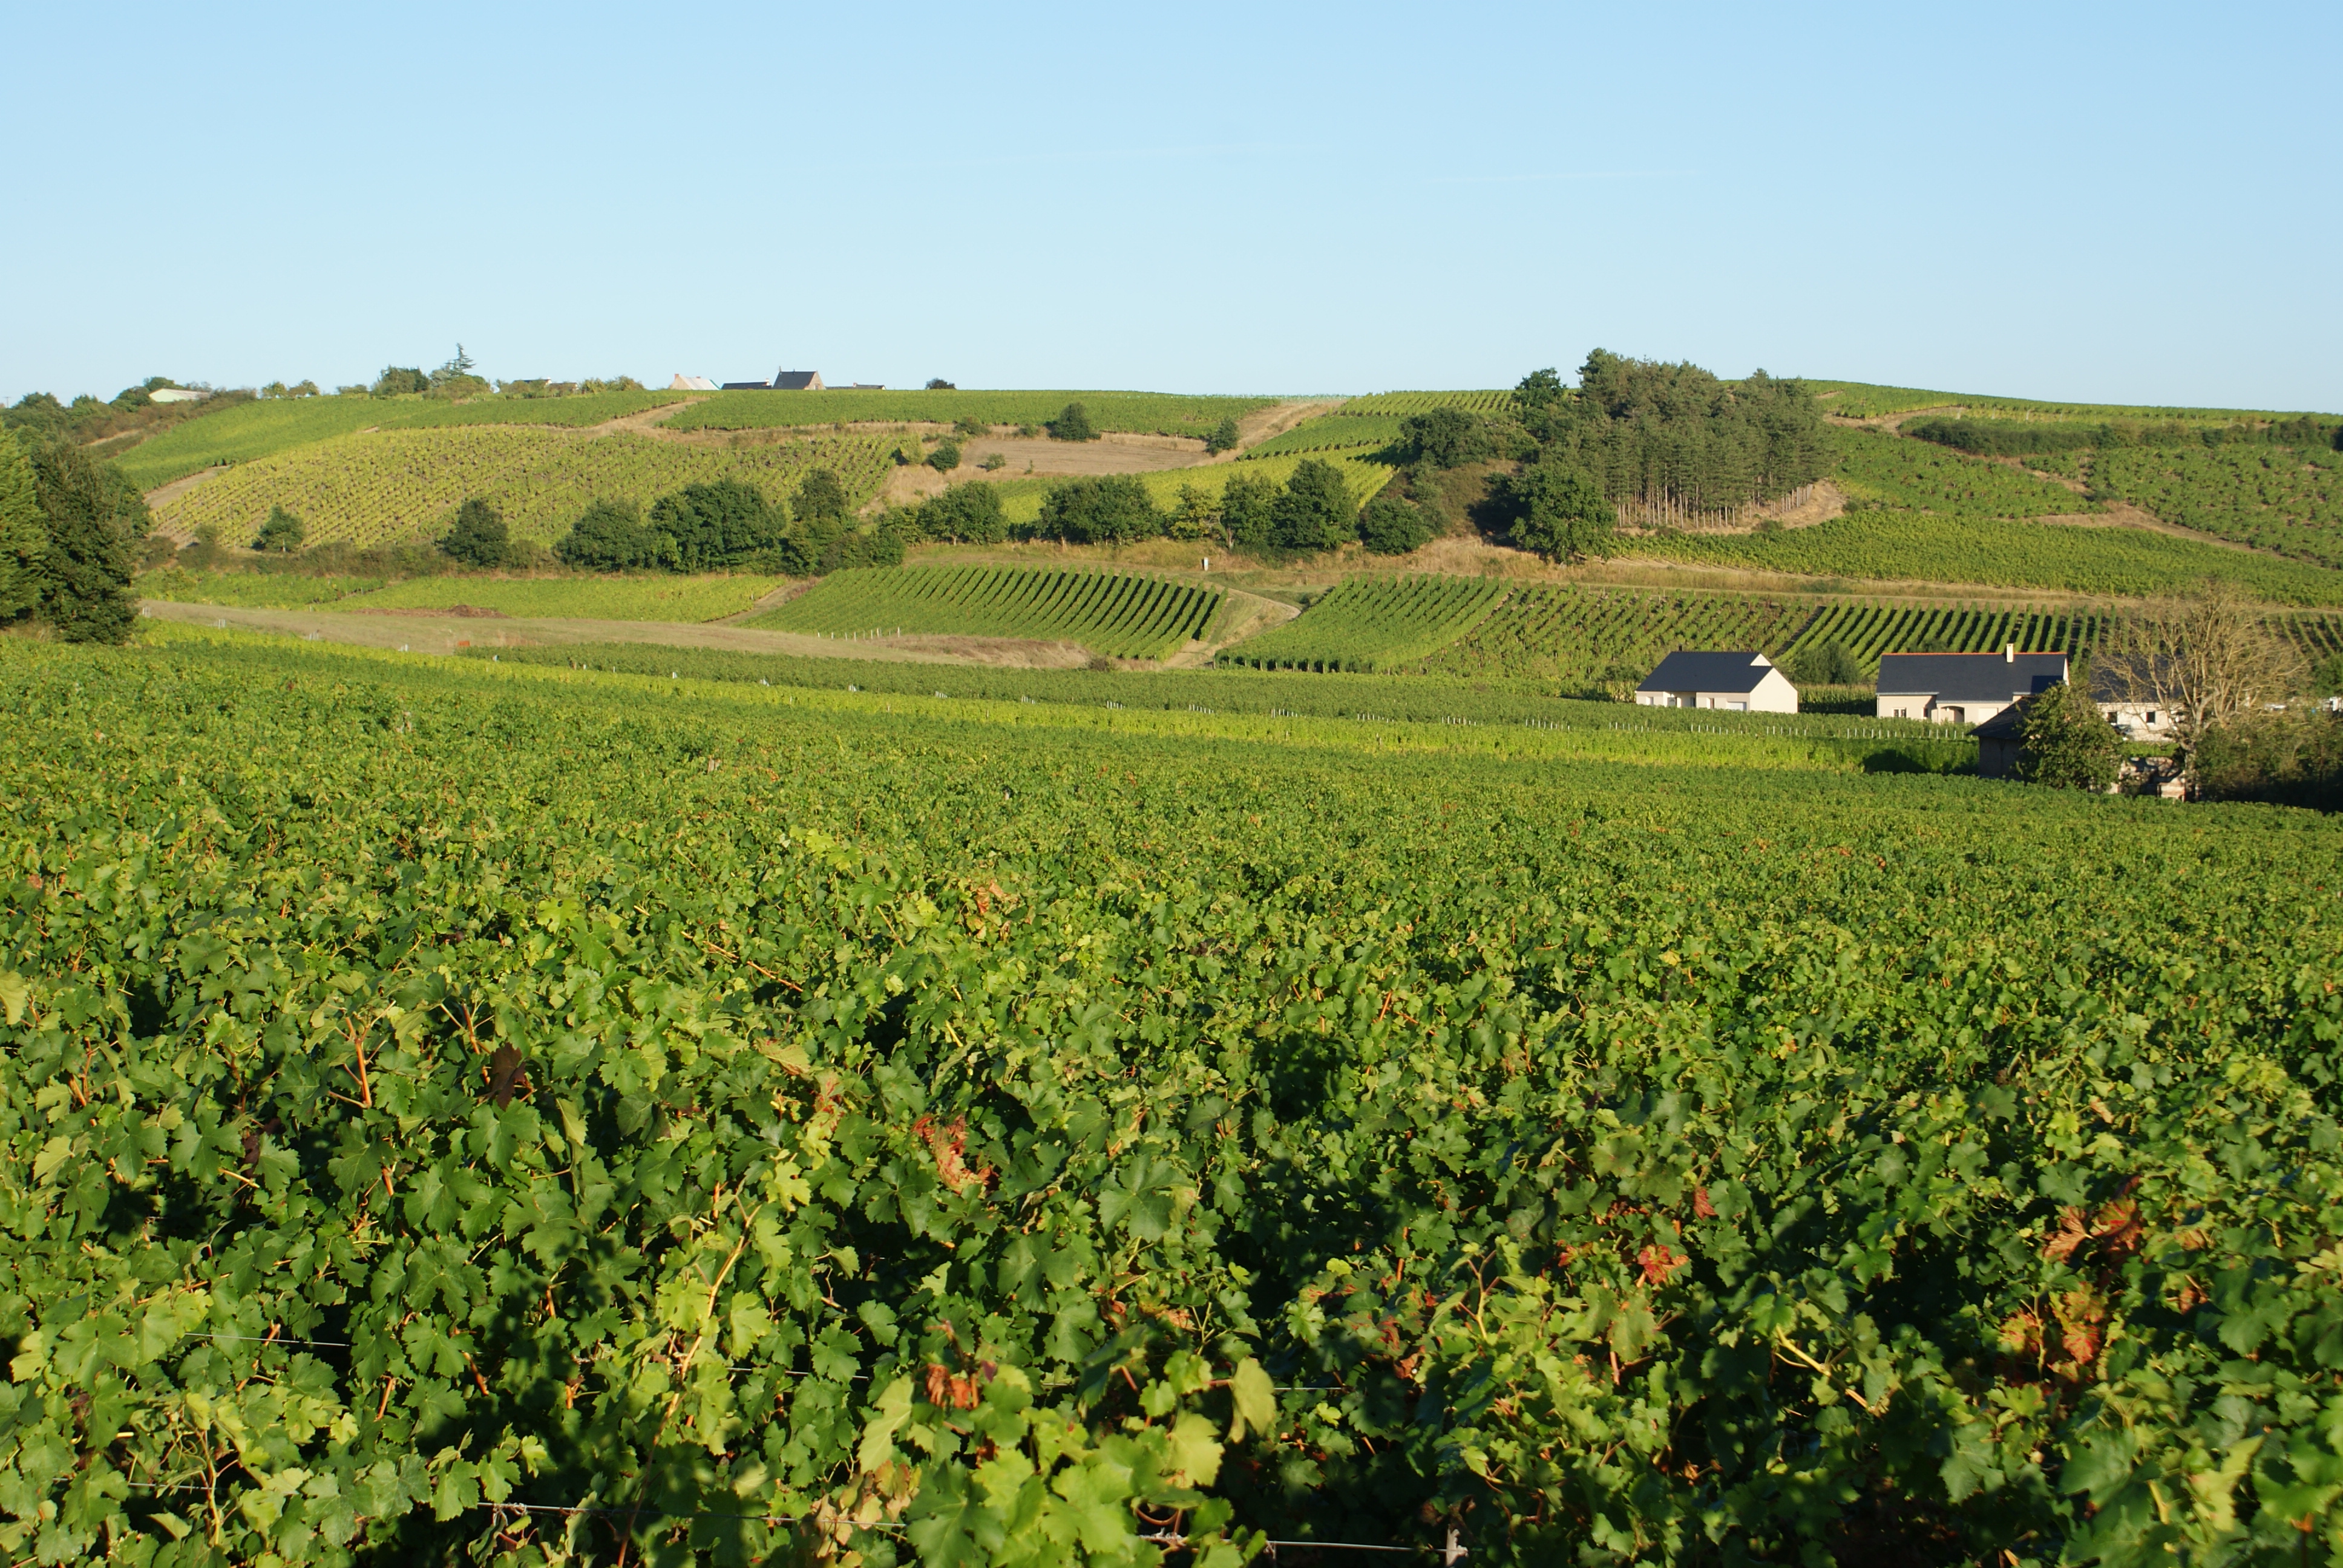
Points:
(457, 611)
(428, 631)
(1107, 455)
(646, 423)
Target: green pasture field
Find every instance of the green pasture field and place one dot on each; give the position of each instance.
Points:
(397, 485)
(251, 591)
(1146, 412)
(1021, 496)
(1114, 614)
(495, 1092)
(251, 430)
(1372, 623)
(651, 597)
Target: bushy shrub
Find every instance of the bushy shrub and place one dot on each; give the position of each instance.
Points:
(610, 535)
(968, 513)
(1831, 663)
(945, 457)
(1559, 510)
(1391, 526)
(1446, 439)
(281, 534)
(93, 527)
(1072, 424)
(2068, 743)
(1249, 509)
(1314, 511)
(1224, 437)
(727, 523)
(1109, 509)
(477, 536)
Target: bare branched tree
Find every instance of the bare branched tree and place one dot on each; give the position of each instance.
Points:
(2209, 659)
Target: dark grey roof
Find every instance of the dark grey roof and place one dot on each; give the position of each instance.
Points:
(1706, 672)
(793, 381)
(746, 386)
(2108, 685)
(1970, 677)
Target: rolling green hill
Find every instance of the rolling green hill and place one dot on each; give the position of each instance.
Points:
(251, 430)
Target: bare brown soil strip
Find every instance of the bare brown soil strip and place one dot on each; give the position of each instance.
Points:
(164, 495)
(438, 633)
(456, 611)
(1276, 420)
(1107, 455)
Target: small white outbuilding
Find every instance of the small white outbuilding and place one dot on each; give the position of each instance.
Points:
(1733, 682)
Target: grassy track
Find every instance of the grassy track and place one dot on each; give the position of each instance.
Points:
(687, 600)
(397, 484)
(1146, 412)
(710, 1099)
(1110, 613)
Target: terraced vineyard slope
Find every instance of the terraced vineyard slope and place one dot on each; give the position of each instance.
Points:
(1116, 614)
(392, 484)
(1372, 623)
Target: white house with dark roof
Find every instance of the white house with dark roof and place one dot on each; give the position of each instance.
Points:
(1963, 688)
(1734, 682)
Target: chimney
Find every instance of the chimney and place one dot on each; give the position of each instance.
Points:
(2009, 653)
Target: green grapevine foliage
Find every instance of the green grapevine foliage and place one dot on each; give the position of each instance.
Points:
(465, 1114)
(1110, 613)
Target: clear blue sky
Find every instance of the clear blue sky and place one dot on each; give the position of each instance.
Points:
(2119, 203)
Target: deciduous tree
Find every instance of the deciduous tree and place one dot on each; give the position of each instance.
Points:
(24, 531)
(477, 536)
(1559, 510)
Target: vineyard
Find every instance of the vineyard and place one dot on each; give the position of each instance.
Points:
(1920, 547)
(1859, 400)
(2275, 497)
(251, 430)
(397, 484)
(1373, 422)
(1144, 412)
(658, 598)
(1372, 623)
(1335, 432)
(1426, 707)
(1400, 405)
(251, 591)
(479, 1112)
(1893, 471)
(1110, 613)
(1591, 639)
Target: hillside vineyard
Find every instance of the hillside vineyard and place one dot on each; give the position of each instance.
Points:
(479, 1113)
